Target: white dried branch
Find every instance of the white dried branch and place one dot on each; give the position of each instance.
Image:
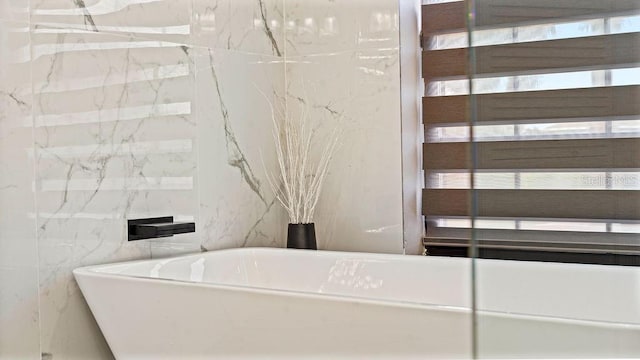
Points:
(300, 175)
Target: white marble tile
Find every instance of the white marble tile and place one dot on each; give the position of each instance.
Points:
(17, 10)
(328, 26)
(19, 327)
(114, 128)
(17, 237)
(254, 26)
(357, 92)
(168, 20)
(115, 139)
(234, 127)
(68, 330)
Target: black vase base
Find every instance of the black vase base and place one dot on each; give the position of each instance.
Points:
(301, 236)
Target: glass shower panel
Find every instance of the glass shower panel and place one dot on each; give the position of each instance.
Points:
(554, 176)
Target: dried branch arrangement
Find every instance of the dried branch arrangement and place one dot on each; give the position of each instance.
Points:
(303, 164)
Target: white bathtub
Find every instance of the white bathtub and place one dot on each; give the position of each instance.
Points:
(278, 303)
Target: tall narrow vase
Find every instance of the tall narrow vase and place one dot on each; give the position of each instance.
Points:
(301, 236)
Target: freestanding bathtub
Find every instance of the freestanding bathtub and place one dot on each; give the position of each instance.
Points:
(298, 304)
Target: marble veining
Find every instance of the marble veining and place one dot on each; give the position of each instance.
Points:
(267, 29)
(88, 19)
(19, 325)
(234, 153)
(353, 214)
(241, 204)
(126, 102)
(170, 21)
(135, 108)
(251, 26)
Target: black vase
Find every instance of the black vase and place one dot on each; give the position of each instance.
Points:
(301, 236)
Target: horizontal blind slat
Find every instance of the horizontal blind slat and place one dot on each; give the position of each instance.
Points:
(568, 204)
(497, 12)
(443, 16)
(444, 63)
(593, 51)
(451, 16)
(531, 105)
(616, 153)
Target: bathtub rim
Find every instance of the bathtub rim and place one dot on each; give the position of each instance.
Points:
(92, 271)
(368, 301)
(382, 256)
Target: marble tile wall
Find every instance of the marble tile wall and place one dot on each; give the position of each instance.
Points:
(108, 113)
(234, 90)
(240, 71)
(19, 327)
(343, 67)
(114, 134)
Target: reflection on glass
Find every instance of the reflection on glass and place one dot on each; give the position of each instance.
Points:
(553, 174)
(532, 141)
(113, 119)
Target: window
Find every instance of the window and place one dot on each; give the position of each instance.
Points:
(532, 133)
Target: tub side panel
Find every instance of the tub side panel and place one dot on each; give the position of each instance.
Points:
(503, 336)
(574, 291)
(146, 319)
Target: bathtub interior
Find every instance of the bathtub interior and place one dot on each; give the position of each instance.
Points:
(565, 291)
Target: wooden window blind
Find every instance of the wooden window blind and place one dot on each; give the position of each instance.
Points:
(542, 112)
